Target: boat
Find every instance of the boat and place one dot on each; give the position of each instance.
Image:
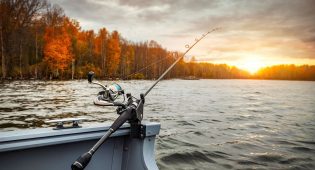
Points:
(191, 78)
(56, 148)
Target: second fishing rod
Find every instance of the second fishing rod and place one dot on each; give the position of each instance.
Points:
(130, 110)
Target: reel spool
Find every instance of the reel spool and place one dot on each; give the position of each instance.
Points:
(109, 94)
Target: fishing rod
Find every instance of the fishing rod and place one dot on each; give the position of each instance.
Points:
(130, 110)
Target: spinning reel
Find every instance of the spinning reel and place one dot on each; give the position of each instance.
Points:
(109, 94)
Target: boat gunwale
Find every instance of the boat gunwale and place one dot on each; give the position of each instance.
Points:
(49, 137)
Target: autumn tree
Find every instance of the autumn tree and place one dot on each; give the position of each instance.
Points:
(16, 19)
(100, 49)
(130, 55)
(113, 54)
(57, 49)
(287, 72)
(127, 59)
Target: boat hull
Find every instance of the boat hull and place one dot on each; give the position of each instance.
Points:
(49, 149)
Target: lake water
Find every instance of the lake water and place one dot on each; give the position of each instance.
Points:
(206, 124)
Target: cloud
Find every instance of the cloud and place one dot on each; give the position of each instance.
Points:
(271, 28)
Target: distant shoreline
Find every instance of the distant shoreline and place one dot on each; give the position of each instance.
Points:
(30, 79)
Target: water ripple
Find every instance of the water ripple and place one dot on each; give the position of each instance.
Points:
(206, 124)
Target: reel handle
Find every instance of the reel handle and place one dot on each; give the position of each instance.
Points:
(90, 76)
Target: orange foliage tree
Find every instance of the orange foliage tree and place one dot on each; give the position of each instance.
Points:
(100, 48)
(57, 48)
(113, 48)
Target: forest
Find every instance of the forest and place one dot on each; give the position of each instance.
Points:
(38, 41)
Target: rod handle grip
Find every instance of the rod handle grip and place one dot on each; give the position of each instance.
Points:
(82, 161)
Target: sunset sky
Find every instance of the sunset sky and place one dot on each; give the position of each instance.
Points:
(254, 33)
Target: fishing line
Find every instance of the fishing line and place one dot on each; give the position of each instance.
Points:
(138, 71)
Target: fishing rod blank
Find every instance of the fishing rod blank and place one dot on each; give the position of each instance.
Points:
(166, 71)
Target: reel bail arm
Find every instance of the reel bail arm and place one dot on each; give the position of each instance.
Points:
(90, 80)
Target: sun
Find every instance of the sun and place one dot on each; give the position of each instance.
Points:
(252, 65)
